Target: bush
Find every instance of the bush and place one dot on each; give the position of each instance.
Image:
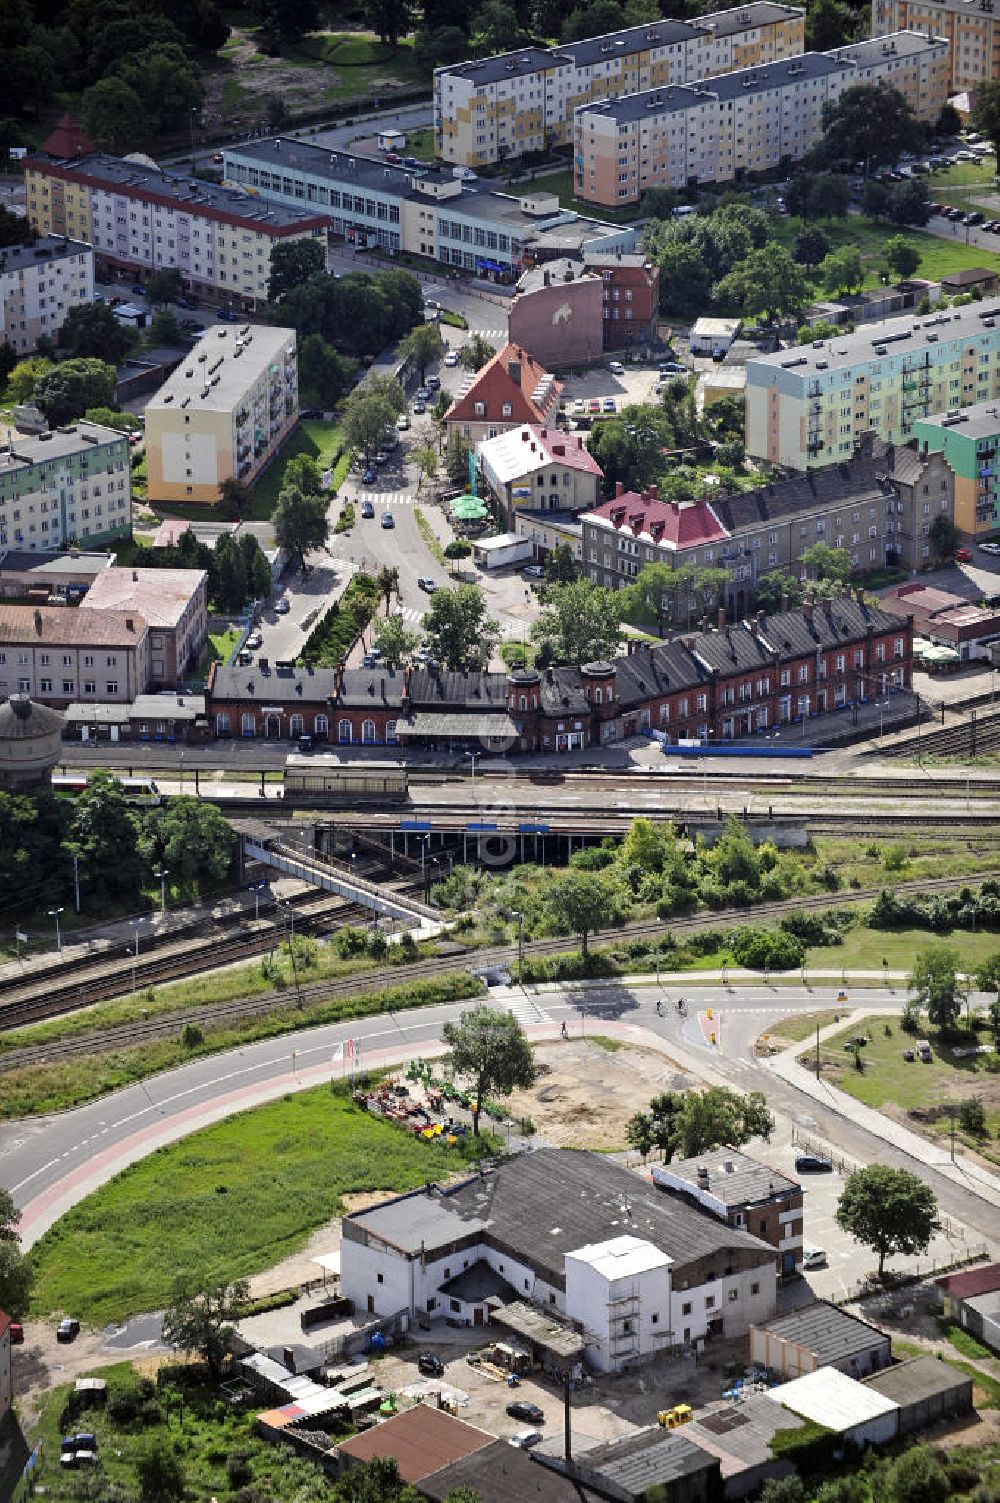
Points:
(592, 858)
(332, 638)
(767, 949)
(972, 1117)
(130, 1401)
(192, 1036)
(238, 1473)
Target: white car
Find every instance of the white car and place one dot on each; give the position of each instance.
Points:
(579, 407)
(525, 1439)
(451, 359)
(616, 368)
(813, 1257)
(989, 547)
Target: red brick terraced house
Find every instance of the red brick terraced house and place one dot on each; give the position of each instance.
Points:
(511, 390)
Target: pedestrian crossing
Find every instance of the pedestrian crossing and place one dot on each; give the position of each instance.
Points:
(526, 1010)
(415, 618)
(386, 498)
(495, 336)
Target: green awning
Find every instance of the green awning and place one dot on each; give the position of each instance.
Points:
(469, 509)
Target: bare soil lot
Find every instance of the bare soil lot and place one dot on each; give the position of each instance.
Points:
(585, 1093)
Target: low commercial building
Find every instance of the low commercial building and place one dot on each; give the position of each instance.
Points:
(740, 1439)
(39, 576)
(540, 469)
(169, 718)
(140, 218)
(498, 108)
(951, 620)
(70, 486)
(650, 1466)
(174, 605)
(39, 284)
(675, 1279)
(807, 407)
(970, 28)
(820, 1335)
(511, 391)
(855, 1411)
(557, 314)
(713, 336)
(224, 413)
(717, 129)
(926, 1391)
(498, 1473)
(970, 281)
(972, 1298)
(969, 438)
(875, 304)
(547, 530)
(743, 1193)
(30, 737)
(57, 655)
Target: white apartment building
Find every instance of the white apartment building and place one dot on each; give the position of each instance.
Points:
(492, 109)
(74, 485)
(719, 129)
(39, 284)
(224, 412)
(809, 406)
(970, 27)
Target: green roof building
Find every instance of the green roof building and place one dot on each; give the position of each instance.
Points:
(968, 438)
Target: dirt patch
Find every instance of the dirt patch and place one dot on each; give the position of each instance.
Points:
(586, 1094)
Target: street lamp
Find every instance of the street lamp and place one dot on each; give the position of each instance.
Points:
(161, 877)
(256, 888)
(520, 942)
(134, 925)
(193, 112)
(54, 914)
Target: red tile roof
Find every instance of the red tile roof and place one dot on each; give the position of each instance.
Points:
(421, 1440)
(674, 525)
(975, 1281)
(511, 377)
(69, 139)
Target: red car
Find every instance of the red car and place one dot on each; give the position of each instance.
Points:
(963, 556)
(16, 1333)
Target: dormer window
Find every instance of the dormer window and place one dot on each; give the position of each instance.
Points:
(507, 410)
(480, 409)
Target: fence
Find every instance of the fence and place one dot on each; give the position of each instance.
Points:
(348, 1343)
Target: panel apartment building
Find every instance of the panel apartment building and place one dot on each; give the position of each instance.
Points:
(74, 485)
(224, 412)
(969, 439)
(497, 108)
(718, 129)
(140, 218)
(970, 28)
(808, 406)
(39, 284)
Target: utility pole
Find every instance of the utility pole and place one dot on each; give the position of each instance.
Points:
(54, 914)
(162, 878)
(76, 881)
(817, 1048)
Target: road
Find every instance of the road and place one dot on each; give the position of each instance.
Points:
(51, 1163)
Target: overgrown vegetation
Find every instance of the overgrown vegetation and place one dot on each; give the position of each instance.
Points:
(336, 632)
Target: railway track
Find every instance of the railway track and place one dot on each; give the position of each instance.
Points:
(215, 1016)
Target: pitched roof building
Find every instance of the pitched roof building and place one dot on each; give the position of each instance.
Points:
(57, 655)
(534, 467)
(173, 603)
(511, 389)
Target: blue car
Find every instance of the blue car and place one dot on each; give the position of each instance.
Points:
(227, 316)
(368, 478)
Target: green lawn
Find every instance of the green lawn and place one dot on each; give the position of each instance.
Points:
(938, 257)
(561, 183)
(317, 439)
(964, 185)
(224, 1203)
(889, 1079)
(363, 66)
(221, 646)
(803, 1026)
(420, 143)
(865, 949)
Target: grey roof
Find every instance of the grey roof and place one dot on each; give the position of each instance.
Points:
(829, 1333)
(732, 649)
(78, 566)
(919, 1378)
(541, 1327)
(76, 438)
(631, 39)
(192, 195)
(743, 83)
(21, 719)
(473, 691)
(167, 706)
(746, 1182)
(333, 166)
(968, 276)
(864, 478)
(616, 258)
(361, 686)
(492, 725)
(561, 271)
(500, 1473)
(545, 1204)
(741, 1436)
(898, 44)
(45, 250)
(561, 694)
(87, 714)
(651, 1459)
(981, 420)
(830, 622)
(904, 335)
(478, 1283)
(760, 13)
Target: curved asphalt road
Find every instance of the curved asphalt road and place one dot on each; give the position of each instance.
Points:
(50, 1163)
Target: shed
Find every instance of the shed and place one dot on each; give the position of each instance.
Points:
(820, 1335)
(965, 281)
(740, 1438)
(849, 1408)
(926, 1389)
(650, 1464)
(972, 1298)
(421, 1440)
(498, 1474)
(713, 336)
(391, 140)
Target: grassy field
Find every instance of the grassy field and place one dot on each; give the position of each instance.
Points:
(317, 439)
(865, 949)
(794, 1030)
(561, 183)
(365, 68)
(225, 1203)
(221, 645)
(938, 257)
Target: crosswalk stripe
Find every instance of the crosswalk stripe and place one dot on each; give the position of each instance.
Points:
(526, 1010)
(386, 498)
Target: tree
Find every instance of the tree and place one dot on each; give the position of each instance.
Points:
(935, 986)
(659, 203)
(105, 832)
(580, 902)
(868, 123)
(25, 376)
(437, 47)
(389, 19)
(476, 352)
(15, 1279)
(488, 1048)
(685, 276)
(889, 1210)
(943, 536)
(164, 328)
(167, 82)
(901, 256)
(112, 113)
(579, 623)
(163, 286)
(300, 522)
(378, 1481)
(195, 841)
(917, 1476)
(495, 25)
(458, 630)
(829, 24)
(842, 270)
(91, 330)
(985, 113)
(387, 581)
(651, 592)
(303, 471)
(235, 498)
(718, 1115)
(324, 374)
(364, 419)
(766, 282)
(908, 202)
(593, 20)
(825, 562)
(457, 549)
(67, 390)
(777, 586)
(810, 248)
(561, 567)
(422, 346)
(199, 1319)
(426, 459)
(292, 263)
(394, 640)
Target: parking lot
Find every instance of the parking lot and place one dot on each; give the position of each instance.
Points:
(599, 384)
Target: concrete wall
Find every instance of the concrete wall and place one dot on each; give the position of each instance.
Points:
(561, 324)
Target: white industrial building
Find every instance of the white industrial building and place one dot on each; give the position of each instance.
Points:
(829, 1397)
(574, 1235)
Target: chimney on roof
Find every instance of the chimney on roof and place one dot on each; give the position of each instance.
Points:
(525, 435)
(807, 610)
(654, 491)
(545, 277)
(338, 681)
(859, 594)
(38, 622)
(619, 489)
(579, 441)
(135, 576)
(784, 602)
(514, 371)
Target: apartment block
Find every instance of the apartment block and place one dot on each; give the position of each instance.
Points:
(71, 486)
(39, 284)
(969, 440)
(59, 654)
(970, 28)
(879, 505)
(174, 605)
(808, 406)
(421, 210)
(631, 297)
(498, 108)
(719, 129)
(225, 412)
(139, 218)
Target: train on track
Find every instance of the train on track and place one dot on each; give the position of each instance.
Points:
(142, 791)
(325, 779)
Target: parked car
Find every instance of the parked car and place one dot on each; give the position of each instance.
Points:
(367, 510)
(68, 1329)
(255, 640)
(616, 368)
(451, 359)
(419, 406)
(381, 457)
(609, 404)
(430, 1365)
(525, 1439)
(434, 383)
(963, 556)
(282, 606)
(989, 547)
(368, 478)
(533, 571)
(813, 1257)
(138, 289)
(423, 394)
(427, 584)
(594, 405)
(672, 368)
(227, 316)
(16, 1333)
(529, 1413)
(579, 407)
(388, 520)
(813, 1163)
(402, 422)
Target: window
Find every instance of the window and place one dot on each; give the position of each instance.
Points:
(380, 1278)
(710, 1302)
(111, 686)
(734, 1295)
(754, 1288)
(686, 1308)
